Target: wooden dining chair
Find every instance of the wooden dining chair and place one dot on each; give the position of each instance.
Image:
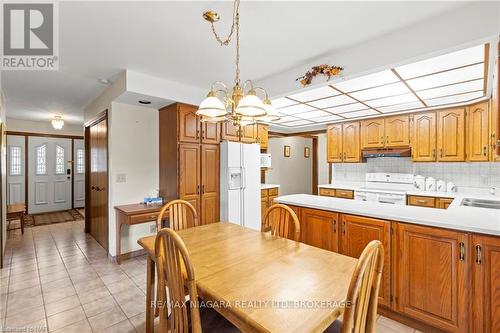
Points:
(178, 215)
(172, 261)
(360, 315)
(280, 219)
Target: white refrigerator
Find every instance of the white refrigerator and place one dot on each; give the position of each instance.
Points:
(240, 184)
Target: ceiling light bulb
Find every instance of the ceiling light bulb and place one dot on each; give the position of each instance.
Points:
(251, 106)
(57, 122)
(211, 107)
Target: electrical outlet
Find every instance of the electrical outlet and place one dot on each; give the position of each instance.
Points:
(121, 178)
(152, 228)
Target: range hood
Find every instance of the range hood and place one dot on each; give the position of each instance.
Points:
(387, 152)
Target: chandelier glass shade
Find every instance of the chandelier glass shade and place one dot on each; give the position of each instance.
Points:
(240, 106)
(57, 122)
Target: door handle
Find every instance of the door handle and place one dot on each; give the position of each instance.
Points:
(335, 226)
(485, 149)
(202, 189)
(441, 152)
(479, 254)
(462, 251)
(92, 188)
(197, 189)
(343, 227)
(434, 153)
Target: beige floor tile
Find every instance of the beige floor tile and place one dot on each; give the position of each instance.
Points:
(106, 319)
(62, 305)
(134, 308)
(55, 285)
(92, 295)
(82, 326)
(65, 318)
(95, 307)
(122, 327)
(58, 294)
(22, 318)
(386, 325)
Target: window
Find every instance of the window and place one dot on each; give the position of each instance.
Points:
(15, 161)
(41, 160)
(80, 158)
(59, 160)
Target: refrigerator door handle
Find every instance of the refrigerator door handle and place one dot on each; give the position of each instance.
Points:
(243, 178)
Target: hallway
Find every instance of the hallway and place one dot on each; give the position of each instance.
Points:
(59, 279)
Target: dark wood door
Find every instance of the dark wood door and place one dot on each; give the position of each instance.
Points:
(485, 257)
(230, 132)
(189, 175)
(210, 184)
(210, 133)
(357, 232)
(319, 228)
(189, 124)
(97, 136)
(432, 276)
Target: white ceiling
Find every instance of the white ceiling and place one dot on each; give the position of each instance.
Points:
(449, 79)
(170, 40)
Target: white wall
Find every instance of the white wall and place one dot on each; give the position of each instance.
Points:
(133, 151)
(323, 165)
(3, 174)
(43, 127)
(294, 173)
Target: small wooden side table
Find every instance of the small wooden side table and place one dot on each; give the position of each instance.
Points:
(133, 214)
(16, 212)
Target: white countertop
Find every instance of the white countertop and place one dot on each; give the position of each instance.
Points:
(343, 185)
(457, 217)
(267, 186)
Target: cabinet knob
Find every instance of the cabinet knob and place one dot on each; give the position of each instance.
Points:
(335, 226)
(485, 150)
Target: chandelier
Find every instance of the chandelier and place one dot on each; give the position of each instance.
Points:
(57, 122)
(241, 106)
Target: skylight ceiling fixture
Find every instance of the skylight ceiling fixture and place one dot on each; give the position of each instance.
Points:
(241, 106)
(57, 122)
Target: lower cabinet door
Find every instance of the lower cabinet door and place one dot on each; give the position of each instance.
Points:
(356, 233)
(486, 284)
(320, 228)
(263, 209)
(432, 276)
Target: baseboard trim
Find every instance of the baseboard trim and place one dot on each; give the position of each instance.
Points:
(128, 255)
(418, 325)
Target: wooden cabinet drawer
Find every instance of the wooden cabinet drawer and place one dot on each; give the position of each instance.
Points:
(443, 203)
(140, 218)
(263, 193)
(346, 194)
(329, 192)
(273, 191)
(421, 201)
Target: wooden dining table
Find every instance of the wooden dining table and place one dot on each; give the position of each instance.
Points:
(261, 283)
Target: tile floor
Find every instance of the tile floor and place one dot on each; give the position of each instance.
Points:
(59, 279)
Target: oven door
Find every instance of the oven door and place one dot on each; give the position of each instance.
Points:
(396, 199)
(365, 196)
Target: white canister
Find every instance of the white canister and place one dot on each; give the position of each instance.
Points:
(419, 182)
(451, 187)
(430, 184)
(441, 186)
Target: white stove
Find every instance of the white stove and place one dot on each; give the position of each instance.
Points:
(385, 187)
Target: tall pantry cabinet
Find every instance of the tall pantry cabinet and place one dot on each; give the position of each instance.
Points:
(189, 160)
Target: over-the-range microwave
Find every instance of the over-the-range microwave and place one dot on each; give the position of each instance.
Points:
(265, 160)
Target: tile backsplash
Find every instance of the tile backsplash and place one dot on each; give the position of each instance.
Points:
(462, 174)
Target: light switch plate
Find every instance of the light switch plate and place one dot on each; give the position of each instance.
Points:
(121, 178)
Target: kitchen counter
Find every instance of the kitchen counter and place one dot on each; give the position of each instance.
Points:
(343, 185)
(457, 217)
(268, 186)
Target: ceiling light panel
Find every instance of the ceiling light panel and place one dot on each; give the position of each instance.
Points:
(448, 61)
(367, 81)
(406, 98)
(459, 88)
(315, 94)
(285, 119)
(312, 114)
(299, 108)
(454, 99)
(401, 107)
(326, 119)
(347, 108)
(298, 123)
(332, 101)
(362, 113)
(282, 102)
(450, 77)
(397, 88)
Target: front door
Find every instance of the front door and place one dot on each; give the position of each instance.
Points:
(78, 174)
(49, 174)
(15, 169)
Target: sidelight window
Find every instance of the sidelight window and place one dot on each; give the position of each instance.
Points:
(80, 158)
(15, 161)
(59, 160)
(41, 160)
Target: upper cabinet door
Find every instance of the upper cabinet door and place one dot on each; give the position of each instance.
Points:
(372, 133)
(397, 131)
(248, 133)
(478, 132)
(263, 136)
(210, 133)
(351, 144)
(451, 135)
(424, 137)
(334, 143)
(229, 132)
(189, 124)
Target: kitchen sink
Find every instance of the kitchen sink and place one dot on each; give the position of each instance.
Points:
(493, 204)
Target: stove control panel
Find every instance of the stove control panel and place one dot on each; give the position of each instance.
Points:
(382, 177)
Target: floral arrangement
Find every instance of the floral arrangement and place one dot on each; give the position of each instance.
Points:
(324, 69)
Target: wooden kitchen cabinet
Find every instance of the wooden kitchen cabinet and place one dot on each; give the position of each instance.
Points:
(432, 276)
(338, 193)
(443, 203)
(334, 143)
(357, 232)
(210, 184)
(267, 197)
(424, 137)
(351, 142)
(189, 175)
(189, 124)
(485, 255)
(248, 134)
(210, 133)
(327, 192)
(397, 131)
(263, 136)
(415, 200)
(230, 132)
(451, 135)
(320, 229)
(372, 133)
(478, 132)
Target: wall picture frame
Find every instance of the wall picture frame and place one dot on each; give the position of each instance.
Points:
(307, 152)
(286, 151)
